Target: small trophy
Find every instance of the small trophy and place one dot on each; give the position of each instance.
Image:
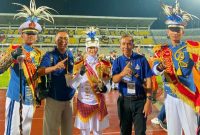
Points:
(128, 78)
(68, 78)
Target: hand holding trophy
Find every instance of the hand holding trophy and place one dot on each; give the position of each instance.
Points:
(68, 76)
(127, 72)
(103, 69)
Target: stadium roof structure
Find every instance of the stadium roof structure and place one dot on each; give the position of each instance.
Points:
(83, 21)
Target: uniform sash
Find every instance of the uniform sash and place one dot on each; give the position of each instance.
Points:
(91, 109)
(182, 91)
(29, 66)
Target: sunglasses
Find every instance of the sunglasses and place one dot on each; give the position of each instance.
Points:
(175, 29)
(30, 33)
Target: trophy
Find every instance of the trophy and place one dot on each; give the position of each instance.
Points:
(128, 78)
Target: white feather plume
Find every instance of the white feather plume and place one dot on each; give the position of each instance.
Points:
(176, 10)
(91, 29)
(40, 13)
(167, 9)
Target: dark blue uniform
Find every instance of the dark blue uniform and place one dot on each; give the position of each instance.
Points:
(59, 90)
(130, 106)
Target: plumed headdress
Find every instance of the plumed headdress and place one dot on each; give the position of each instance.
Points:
(176, 17)
(91, 40)
(33, 15)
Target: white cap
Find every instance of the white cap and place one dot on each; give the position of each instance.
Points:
(30, 26)
(173, 23)
(92, 42)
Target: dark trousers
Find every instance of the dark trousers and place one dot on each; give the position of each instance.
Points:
(198, 120)
(131, 112)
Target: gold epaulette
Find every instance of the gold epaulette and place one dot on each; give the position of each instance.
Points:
(6, 58)
(157, 48)
(193, 47)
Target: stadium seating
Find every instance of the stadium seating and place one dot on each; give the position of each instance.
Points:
(77, 36)
(106, 36)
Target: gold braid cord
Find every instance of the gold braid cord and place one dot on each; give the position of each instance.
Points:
(5, 60)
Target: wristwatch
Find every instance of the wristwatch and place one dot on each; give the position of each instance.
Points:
(150, 98)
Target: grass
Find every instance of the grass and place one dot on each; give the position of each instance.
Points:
(4, 79)
(159, 80)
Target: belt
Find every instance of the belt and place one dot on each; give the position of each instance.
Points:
(133, 97)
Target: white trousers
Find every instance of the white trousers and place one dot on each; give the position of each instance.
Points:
(12, 118)
(58, 114)
(180, 117)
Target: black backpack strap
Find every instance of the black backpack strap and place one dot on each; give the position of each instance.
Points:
(67, 61)
(45, 84)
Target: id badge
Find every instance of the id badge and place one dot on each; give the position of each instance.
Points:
(127, 79)
(131, 88)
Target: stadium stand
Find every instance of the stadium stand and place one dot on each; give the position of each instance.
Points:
(110, 31)
(77, 36)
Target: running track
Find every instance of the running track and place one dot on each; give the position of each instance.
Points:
(111, 99)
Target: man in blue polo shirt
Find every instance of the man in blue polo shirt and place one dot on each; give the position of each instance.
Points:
(59, 104)
(133, 74)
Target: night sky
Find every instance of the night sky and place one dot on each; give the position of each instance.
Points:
(119, 8)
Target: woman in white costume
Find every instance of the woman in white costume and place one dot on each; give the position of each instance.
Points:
(91, 83)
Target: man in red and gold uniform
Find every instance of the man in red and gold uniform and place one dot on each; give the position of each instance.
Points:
(10, 59)
(177, 63)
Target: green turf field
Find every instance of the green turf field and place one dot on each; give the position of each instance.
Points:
(159, 80)
(4, 79)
